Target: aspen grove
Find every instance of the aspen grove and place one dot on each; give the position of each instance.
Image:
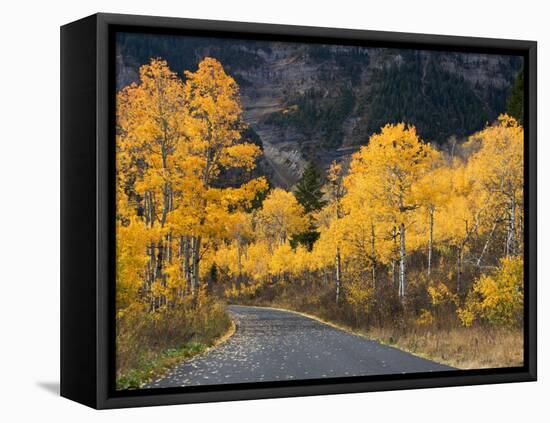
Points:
(404, 234)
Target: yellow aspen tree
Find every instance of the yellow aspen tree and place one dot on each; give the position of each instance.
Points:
(173, 139)
(498, 169)
(256, 263)
(281, 261)
(281, 216)
(150, 128)
(391, 164)
(366, 223)
(463, 214)
(240, 230)
(213, 127)
(335, 191)
(432, 192)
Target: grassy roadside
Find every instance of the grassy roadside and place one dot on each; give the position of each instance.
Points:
(460, 347)
(152, 366)
(150, 344)
(155, 365)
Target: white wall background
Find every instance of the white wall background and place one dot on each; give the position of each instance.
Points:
(29, 209)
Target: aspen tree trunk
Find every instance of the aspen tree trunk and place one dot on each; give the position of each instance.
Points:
(486, 245)
(196, 261)
(152, 267)
(146, 209)
(430, 241)
(155, 262)
(158, 261)
(159, 272)
(459, 269)
(180, 255)
(169, 247)
(166, 206)
(195, 258)
(191, 267)
(239, 263)
(154, 273)
(373, 252)
(393, 261)
(147, 206)
(169, 254)
(153, 298)
(402, 262)
(394, 272)
(164, 245)
(186, 257)
(148, 271)
(511, 238)
(338, 274)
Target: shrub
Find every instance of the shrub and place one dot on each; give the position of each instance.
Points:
(497, 299)
(144, 339)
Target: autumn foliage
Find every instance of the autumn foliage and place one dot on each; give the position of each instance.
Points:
(402, 208)
(403, 232)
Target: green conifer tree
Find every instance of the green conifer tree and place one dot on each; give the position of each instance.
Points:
(514, 106)
(308, 190)
(309, 195)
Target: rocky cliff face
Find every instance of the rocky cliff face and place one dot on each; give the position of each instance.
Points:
(321, 102)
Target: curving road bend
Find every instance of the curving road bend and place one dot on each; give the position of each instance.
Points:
(272, 345)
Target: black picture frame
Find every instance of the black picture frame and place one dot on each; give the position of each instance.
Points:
(87, 210)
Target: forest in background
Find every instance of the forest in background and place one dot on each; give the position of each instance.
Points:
(417, 246)
(317, 102)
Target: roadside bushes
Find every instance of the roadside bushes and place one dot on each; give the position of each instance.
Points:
(147, 342)
(497, 298)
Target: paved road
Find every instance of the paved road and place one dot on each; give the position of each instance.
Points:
(271, 345)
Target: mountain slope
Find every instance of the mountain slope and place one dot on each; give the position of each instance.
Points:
(321, 102)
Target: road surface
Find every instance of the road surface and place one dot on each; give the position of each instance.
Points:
(272, 345)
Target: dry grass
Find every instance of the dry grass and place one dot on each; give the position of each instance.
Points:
(446, 341)
(148, 344)
(463, 348)
(460, 347)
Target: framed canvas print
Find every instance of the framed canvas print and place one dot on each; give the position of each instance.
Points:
(254, 211)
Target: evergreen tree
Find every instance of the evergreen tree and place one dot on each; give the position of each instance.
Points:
(514, 104)
(309, 195)
(308, 190)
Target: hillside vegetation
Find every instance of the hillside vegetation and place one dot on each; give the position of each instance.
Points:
(307, 101)
(406, 242)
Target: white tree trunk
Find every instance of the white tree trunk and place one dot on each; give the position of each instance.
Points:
(186, 261)
(239, 263)
(402, 262)
(338, 266)
(486, 245)
(393, 260)
(195, 251)
(430, 242)
(373, 255)
(511, 238)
